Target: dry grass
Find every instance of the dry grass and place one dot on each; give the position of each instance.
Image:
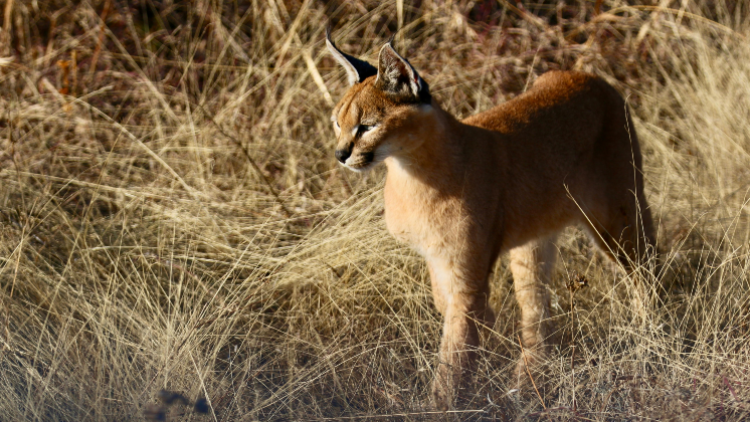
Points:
(143, 249)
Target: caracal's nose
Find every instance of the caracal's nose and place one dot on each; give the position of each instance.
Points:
(343, 154)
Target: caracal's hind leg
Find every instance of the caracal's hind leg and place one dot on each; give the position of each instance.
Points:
(616, 208)
(461, 294)
(531, 265)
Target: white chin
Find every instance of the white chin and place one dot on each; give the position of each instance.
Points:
(360, 168)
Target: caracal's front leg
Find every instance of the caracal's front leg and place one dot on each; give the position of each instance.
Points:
(531, 265)
(461, 295)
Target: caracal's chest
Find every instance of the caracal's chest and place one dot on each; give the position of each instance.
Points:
(421, 215)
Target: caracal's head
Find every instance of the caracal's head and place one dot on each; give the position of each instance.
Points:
(383, 111)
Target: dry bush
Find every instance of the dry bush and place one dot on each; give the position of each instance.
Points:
(172, 217)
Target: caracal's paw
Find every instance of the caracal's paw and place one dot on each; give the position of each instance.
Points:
(532, 370)
(451, 388)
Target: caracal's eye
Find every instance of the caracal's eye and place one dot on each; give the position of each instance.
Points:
(366, 128)
(336, 127)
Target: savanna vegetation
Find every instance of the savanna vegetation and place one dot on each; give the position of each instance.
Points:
(174, 228)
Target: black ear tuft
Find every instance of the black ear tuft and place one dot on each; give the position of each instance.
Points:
(397, 77)
(356, 70)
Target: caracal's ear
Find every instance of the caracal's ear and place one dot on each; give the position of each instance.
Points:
(356, 70)
(398, 78)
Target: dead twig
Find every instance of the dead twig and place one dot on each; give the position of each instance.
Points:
(100, 41)
(250, 159)
(526, 362)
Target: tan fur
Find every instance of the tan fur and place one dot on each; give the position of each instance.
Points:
(507, 179)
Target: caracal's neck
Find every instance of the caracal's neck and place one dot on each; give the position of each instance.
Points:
(437, 160)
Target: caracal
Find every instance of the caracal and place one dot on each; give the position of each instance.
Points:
(461, 192)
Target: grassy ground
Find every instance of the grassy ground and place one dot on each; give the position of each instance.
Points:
(172, 217)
